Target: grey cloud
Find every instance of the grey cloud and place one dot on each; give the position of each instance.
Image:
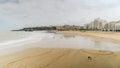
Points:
(55, 12)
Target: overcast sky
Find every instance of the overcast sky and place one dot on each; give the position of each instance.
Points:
(23, 13)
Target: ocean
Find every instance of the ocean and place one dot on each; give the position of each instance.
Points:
(12, 41)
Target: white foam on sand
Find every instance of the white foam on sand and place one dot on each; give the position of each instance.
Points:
(21, 43)
(50, 40)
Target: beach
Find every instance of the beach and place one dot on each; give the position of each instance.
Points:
(59, 34)
(60, 58)
(64, 49)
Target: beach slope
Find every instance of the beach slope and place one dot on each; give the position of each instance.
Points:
(60, 58)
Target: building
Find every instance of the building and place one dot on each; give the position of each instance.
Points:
(74, 27)
(117, 26)
(59, 28)
(111, 26)
(71, 27)
(68, 27)
(86, 26)
(97, 24)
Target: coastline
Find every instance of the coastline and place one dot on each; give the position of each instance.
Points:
(64, 57)
(60, 58)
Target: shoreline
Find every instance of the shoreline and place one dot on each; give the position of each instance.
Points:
(63, 57)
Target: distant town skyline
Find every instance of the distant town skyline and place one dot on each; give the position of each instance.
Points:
(15, 14)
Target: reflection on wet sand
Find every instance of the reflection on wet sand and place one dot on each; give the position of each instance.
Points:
(78, 42)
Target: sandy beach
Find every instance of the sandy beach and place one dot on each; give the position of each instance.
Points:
(38, 57)
(60, 58)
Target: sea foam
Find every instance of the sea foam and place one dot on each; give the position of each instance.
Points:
(31, 38)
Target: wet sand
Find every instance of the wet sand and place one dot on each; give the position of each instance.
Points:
(60, 58)
(65, 58)
(112, 36)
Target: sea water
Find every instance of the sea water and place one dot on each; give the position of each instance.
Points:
(12, 41)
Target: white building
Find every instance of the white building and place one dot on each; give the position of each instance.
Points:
(113, 26)
(117, 26)
(97, 24)
(100, 24)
